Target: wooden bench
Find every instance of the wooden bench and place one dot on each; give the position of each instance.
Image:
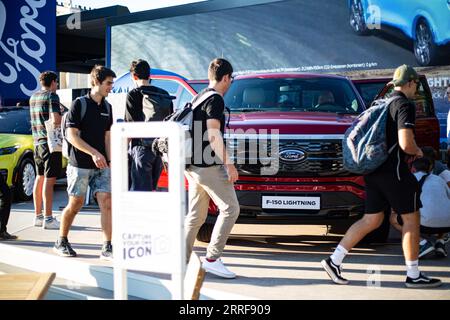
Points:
(25, 286)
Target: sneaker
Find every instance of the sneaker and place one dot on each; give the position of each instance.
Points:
(422, 282)
(6, 236)
(51, 225)
(64, 249)
(333, 271)
(439, 248)
(38, 221)
(107, 252)
(425, 249)
(217, 268)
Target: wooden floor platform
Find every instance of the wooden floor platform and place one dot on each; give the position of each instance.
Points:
(25, 286)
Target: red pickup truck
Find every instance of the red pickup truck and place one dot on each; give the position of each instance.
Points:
(285, 136)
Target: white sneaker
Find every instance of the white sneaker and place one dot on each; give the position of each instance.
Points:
(218, 269)
(51, 225)
(38, 221)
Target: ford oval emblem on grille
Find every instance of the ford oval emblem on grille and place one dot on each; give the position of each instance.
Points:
(292, 155)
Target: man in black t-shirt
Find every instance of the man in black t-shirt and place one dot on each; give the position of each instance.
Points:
(89, 158)
(145, 166)
(392, 185)
(211, 174)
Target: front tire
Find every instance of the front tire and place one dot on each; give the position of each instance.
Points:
(357, 19)
(425, 50)
(25, 180)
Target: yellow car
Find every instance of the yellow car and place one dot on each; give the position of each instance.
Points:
(16, 151)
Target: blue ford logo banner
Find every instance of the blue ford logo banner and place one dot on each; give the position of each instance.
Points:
(292, 155)
(27, 45)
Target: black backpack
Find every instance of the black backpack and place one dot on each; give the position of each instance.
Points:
(156, 106)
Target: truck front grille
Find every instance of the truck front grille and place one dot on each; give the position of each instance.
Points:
(295, 157)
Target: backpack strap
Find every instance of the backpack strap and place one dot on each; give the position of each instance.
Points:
(229, 116)
(83, 107)
(422, 181)
(109, 108)
(392, 99)
(203, 98)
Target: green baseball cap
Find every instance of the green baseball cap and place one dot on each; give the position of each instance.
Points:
(403, 75)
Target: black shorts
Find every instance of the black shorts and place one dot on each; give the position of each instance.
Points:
(384, 190)
(47, 164)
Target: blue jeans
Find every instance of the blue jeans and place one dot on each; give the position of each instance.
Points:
(145, 169)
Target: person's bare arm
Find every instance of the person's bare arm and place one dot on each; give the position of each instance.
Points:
(408, 144)
(73, 136)
(218, 146)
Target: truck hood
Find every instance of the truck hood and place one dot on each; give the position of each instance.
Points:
(293, 122)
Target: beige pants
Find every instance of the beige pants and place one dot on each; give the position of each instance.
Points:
(205, 184)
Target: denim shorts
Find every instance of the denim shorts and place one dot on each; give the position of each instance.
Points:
(78, 180)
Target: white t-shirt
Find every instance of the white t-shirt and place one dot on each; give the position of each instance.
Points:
(445, 175)
(435, 198)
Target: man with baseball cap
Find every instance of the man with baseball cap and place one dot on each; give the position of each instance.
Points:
(392, 185)
(403, 75)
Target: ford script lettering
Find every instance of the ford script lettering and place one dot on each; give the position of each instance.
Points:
(31, 45)
(292, 155)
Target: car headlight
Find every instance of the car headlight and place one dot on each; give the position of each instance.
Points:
(8, 150)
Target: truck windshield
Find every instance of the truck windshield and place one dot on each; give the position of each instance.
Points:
(293, 95)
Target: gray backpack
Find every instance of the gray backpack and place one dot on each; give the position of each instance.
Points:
(364, 147)
(185, 117)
